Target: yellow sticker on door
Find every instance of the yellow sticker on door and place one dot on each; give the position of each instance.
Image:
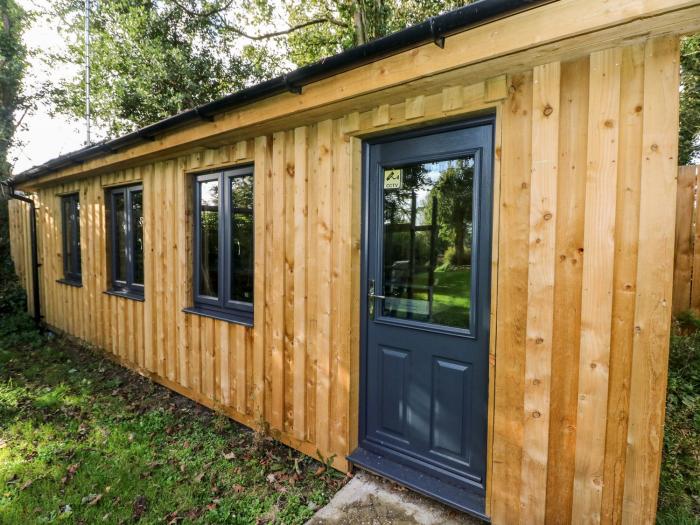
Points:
(393, 179)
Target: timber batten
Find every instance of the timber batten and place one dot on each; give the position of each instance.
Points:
(582, 252)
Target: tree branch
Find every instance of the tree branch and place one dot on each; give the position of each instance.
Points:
(262, 36)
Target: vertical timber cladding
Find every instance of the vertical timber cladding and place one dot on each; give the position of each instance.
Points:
(290, 372)
(584, 304)
(20, 246)
(583, 257)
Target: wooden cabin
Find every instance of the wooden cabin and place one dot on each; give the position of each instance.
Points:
(445, 257)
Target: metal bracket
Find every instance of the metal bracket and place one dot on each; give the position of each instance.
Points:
(204, 116)
(438, 39)
(150, 138)
(291, 87)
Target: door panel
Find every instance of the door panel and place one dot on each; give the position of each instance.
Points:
(426, 308)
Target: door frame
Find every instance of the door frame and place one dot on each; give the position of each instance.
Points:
(488, 118)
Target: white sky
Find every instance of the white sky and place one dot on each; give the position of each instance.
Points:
(44, 137)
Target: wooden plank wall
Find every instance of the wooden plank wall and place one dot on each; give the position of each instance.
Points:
(583, 257)
(686, 269)
(20, 247)
(289, 374)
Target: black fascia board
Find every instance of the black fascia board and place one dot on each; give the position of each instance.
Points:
(434, 29)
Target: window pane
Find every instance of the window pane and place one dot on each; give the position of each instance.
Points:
(119, 228)
(242, 235)
(137, 234)
(209, 238)
(67, 235)
(76, 236)
(428, 228)
(70, 210)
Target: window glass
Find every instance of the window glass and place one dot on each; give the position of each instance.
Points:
(126, 239)
(77, 266)
(242, 238)
(209, 238)
(224, 244)
(137, 234)
(119, 218)
(68, 219)
(428, 228)
(70, 213)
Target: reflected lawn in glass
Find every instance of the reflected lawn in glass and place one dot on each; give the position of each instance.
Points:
(428, 232)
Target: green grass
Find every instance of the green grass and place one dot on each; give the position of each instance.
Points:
(679, 495)
(83, 440)
(451, 295)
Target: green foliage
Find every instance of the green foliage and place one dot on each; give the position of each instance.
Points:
(12, 66)
(679, 497)
(153, 58)
(149, 59)
(353, 23)
(689, 138)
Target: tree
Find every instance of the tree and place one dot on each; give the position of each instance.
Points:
(689, 138)
(154, 58)
(454, 196)
(13, 57)
(355, 23)
(150, 59)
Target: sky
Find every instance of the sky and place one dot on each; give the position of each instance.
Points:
(44, 137)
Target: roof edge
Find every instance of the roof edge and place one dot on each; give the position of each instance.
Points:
(434, 29)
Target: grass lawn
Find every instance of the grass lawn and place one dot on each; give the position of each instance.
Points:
(83, 440)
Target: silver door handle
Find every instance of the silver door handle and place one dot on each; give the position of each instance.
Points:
(375, 296)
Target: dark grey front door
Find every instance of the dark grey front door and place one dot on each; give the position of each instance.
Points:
(426, 310)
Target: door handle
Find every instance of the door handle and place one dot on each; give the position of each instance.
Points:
(371, 296)
(370, 291)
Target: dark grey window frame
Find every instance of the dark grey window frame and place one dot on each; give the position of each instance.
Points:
(124, 287)
(221, 307)
(72, 266)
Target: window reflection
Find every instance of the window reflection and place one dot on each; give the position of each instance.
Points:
(209, 238)
(242, 238)
(428, 230)
(137, 232)
(120, 240)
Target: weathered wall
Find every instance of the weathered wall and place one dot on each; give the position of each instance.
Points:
(585, 268)
(583, 258)
(20, 246)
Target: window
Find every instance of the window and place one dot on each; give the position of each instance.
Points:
(223, 244)
(70, 220)
(125, 212)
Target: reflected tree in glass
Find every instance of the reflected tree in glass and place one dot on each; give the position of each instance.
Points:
(209, 238)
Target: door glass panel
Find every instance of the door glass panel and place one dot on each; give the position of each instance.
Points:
(209, 238)
(428, 228)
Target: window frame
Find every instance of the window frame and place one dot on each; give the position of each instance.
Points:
(222, 306)
(75, 260)
(126, 287)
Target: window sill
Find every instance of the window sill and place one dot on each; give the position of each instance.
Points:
(125, 295)
(77, 284)
(245, 319)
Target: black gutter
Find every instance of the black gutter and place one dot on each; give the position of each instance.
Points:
(34, 252)
(435, 29)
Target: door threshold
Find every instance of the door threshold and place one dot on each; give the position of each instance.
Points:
(458, 498)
